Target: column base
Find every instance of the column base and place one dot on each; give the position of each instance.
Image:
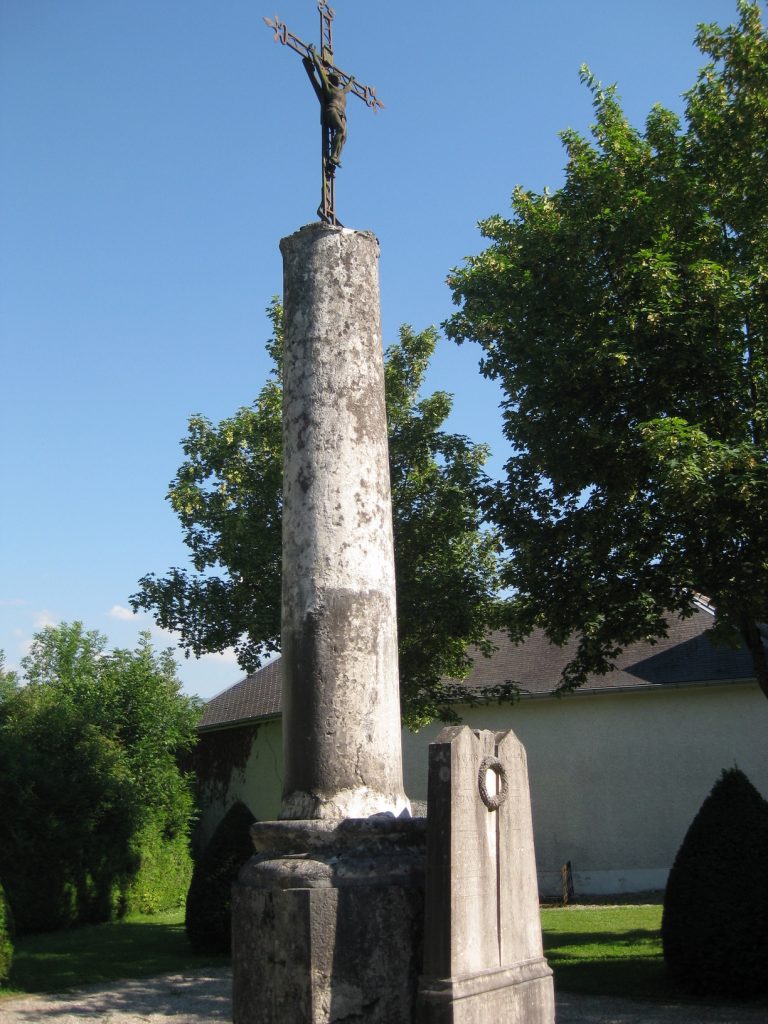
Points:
(327, 922)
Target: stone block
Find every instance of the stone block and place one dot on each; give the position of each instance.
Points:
(483, 954)
(327, 923)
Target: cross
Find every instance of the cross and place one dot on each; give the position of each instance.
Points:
(331, 85)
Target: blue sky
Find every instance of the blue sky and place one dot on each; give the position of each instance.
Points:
(153, 153)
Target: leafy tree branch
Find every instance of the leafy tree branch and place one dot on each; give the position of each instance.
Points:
(626, 317)
(228, 496)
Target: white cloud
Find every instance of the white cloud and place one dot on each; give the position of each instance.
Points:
(171, 636)
(44, 618)
(166, 636)
(13, 602)
(227, 657)
(124, 614)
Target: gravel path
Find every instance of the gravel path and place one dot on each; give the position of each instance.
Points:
(202, 997)
(196, 997)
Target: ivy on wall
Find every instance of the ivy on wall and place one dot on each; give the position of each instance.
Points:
(219, 756)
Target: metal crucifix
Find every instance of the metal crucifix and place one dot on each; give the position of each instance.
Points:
(331, 86)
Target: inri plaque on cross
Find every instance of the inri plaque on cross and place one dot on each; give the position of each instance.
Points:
(331, 86)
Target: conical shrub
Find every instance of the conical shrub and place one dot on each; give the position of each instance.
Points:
(715, 923)
(209, 900)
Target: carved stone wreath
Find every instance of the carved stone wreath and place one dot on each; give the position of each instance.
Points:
(492, 801)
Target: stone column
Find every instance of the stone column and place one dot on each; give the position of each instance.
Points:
(327, 917)
(341, 712)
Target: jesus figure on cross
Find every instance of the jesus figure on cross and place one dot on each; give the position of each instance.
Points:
(331, 86)
(333, 103)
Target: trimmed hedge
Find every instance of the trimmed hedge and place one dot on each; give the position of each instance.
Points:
(151, 875)
(209, 901)
(6, 937)
(164, 872)
(715, 922)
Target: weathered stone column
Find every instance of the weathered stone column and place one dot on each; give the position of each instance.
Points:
(341, 711)
(327, 917)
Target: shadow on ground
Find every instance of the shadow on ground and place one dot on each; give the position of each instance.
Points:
(96, 954)
(193, 998)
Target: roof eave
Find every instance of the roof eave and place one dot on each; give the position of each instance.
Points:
(593, 691)
(239, 723)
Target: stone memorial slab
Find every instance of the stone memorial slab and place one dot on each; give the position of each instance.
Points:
(483, 954)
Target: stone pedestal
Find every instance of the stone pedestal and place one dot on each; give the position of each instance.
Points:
(483, 955)
(329, 919)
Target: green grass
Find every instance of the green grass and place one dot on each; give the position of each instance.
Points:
(613, 951)
(606, 950)
(137, 947)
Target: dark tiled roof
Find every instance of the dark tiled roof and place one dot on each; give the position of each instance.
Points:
(685, 656)
(256, 696)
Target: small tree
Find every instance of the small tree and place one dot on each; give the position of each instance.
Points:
(715, 923)
(89, 781)
(228, 496)
(68, 813)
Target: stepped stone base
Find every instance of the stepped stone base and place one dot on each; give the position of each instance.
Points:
(328, 922)
(514, 995)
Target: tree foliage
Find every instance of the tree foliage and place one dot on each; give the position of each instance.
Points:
(626, 317)
(89, 783)
(715, 922)
(6, 937)
(228, 496)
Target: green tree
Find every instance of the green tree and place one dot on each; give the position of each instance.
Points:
(89, 782)
(228, 496)
(8, 679)
(6, 937)
(626, 318)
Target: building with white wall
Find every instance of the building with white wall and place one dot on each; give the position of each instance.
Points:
(617, 769)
